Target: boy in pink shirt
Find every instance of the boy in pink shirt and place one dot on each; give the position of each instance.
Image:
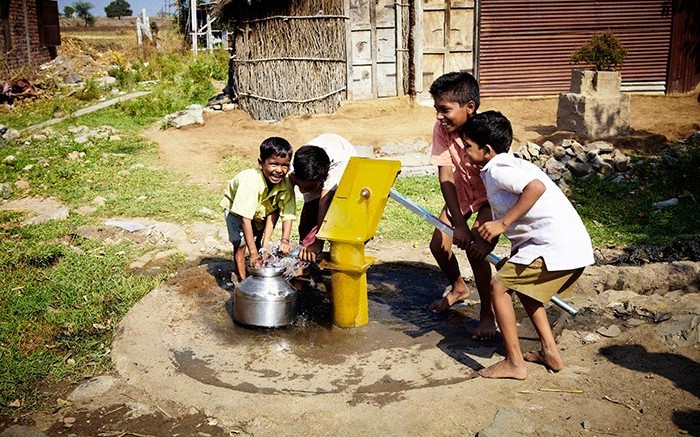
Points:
(456, 98)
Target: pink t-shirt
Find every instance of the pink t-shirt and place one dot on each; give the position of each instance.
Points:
(448, 150)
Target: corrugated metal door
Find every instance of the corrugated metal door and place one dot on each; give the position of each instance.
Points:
(525, 45)
(372, 49)
(445, 40)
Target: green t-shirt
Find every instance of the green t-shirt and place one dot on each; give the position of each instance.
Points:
(247, 195)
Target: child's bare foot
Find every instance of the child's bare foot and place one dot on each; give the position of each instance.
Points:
(486, 330)
(552, 360)
(444, 303)
(504, 370)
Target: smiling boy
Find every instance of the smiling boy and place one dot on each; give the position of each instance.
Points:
(254, 200)
(550, 244)
(456, 99)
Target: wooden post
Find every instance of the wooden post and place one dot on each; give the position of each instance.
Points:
(193, 23)
(210, 37)
(349, 86)
(399, 46)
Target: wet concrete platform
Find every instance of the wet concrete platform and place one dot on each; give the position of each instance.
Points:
(181, 345)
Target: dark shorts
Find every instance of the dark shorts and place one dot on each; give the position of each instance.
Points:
(308, 218)
(234, 225)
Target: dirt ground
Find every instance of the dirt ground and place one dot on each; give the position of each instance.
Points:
(198, 150)
(629, 384)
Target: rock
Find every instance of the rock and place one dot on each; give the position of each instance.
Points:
(590, 338)
(81, 139)
(5, 190)
(523, 153)
(11, 134)
(21, 184)
(75, 155)
(194, 114)
(559, 152)
(600, 147)
(611, 332)
(680, 331)
(86, 210)
(547, 148)
(554, 166)
(71, 78)
(620, 160)
(579, 169)
(106, 81)
(577, 147)
(21, 431)
(127, 226)
(92, 388)
(46, 209)
(533, 149)
(601, 166)
(613, 298)
(9, 160)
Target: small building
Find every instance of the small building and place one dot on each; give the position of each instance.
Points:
(306, 56)
(30, 32)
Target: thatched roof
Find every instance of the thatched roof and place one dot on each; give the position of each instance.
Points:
(228, 9)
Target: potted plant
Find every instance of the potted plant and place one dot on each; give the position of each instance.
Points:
(604, 52)
(595, 105)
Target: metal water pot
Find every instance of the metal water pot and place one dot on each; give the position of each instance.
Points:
(264, 299)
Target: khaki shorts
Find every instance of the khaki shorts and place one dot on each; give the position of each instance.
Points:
(536, 281)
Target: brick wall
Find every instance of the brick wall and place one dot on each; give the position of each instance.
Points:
(25, 49)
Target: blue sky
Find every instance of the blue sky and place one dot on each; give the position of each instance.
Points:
(152, 6)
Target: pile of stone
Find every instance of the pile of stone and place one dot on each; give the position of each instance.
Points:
(571, 159)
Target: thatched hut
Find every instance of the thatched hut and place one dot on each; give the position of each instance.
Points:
(306, 56)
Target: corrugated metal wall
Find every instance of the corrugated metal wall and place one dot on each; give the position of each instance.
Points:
(525, 45)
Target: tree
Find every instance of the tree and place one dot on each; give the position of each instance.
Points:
(83, 11)
(119, 9)
(68, 11)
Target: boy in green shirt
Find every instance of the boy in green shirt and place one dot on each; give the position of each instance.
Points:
(255, 199)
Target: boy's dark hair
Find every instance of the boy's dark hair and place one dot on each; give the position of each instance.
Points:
(275, 146)
(490, 127)
(458, 86)
(311, 163)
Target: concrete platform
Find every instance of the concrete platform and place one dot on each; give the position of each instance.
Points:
(180, 345)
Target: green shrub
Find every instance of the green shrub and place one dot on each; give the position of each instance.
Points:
(603, 51)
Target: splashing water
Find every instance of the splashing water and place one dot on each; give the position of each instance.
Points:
(271, 257)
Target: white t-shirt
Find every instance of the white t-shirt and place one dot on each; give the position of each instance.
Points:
(339, 151)
(551, 229)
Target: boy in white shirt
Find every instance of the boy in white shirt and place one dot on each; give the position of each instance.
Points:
(550, 245)
(317, 169)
